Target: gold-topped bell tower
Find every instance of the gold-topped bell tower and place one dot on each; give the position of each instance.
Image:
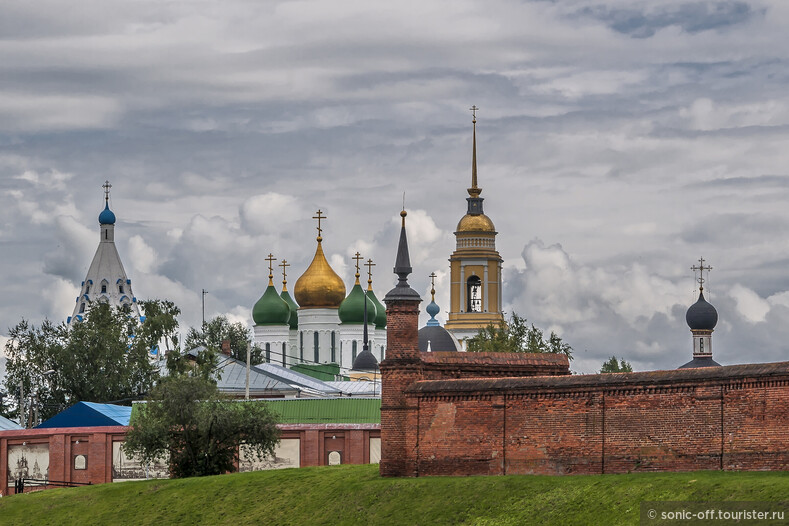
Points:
(475, 265)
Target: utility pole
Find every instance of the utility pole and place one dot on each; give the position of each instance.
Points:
(204, 292)
(246, 392)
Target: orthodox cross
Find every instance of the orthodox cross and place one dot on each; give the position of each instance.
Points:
(473, 110)
(357, 257)
(369, 266)
(106, 187)
(270, 260)
(284, 264)
(701, 268)
(433, 284)
(319, 217)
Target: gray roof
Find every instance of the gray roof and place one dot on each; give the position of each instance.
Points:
(233, 378)
(6, 424)
(439, 338)
(357, 388)
(296, 378)
(706, 361)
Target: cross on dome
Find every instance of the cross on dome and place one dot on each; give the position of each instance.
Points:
(433, 285)
(369, 266)
(271, 259)
(284, 265)
(106, 187)
(319, 217)
(357, 257)
(701, 268)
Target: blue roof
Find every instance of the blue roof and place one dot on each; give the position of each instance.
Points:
(106, 217)
(6, 424)
(90, 414)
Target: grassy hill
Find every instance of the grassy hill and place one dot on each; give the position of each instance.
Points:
(357, 495)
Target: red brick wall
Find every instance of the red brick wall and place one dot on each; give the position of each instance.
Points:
(96, 444)
(734, 418)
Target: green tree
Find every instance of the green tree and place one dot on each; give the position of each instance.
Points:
(213, 332)
(517, 336)
(103, 358)
(614, 366)
(187, 419)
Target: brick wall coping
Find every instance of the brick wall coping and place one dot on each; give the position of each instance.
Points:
(116, 430)
(324, 427)
(759, 371)
(48, 431)
(495, 358)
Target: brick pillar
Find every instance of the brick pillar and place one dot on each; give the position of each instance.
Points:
(4, 467)
(401, 368)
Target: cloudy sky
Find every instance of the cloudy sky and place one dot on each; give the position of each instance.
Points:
(619, 141)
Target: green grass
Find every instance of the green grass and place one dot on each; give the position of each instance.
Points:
(357, 495)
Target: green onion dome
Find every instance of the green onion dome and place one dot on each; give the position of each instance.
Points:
(294, 308)
(271, 309)
(352, 308)
(380, 310)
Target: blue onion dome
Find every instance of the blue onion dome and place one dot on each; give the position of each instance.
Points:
(380, 310)
(701, 316)
(294, 310)
(352, 308)
(106, 217)
(271, 309)
(433, 309)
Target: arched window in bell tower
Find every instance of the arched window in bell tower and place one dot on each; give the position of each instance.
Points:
(474, 294)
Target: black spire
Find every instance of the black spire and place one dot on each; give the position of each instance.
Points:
(402, 268)
(474, 200)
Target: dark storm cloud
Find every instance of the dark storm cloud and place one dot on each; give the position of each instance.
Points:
(691, 17)
(743, 183)
(736, 229)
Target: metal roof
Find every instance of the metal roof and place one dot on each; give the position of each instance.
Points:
(294, 377)
(6, 424)
(234, 377)
(372, 389)
(89, 414)
(327, 410)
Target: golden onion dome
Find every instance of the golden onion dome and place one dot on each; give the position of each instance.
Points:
(475, 223)
(319, 286)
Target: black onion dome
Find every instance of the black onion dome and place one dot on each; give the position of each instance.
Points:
(439, 338)
(365, 361)
(701, 315)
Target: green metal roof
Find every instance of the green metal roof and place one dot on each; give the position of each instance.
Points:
(315, 410)
(325, 372)
(327, 410)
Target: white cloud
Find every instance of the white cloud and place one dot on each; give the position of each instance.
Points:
(269, 212)
(142, 257)
(749, 305)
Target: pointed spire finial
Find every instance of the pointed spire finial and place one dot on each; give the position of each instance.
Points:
(474, 191)
(319, 217)
(369, 266)
(402, 268)
(270, 260)
(357, 257)
(284, 264)
(701, 268)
